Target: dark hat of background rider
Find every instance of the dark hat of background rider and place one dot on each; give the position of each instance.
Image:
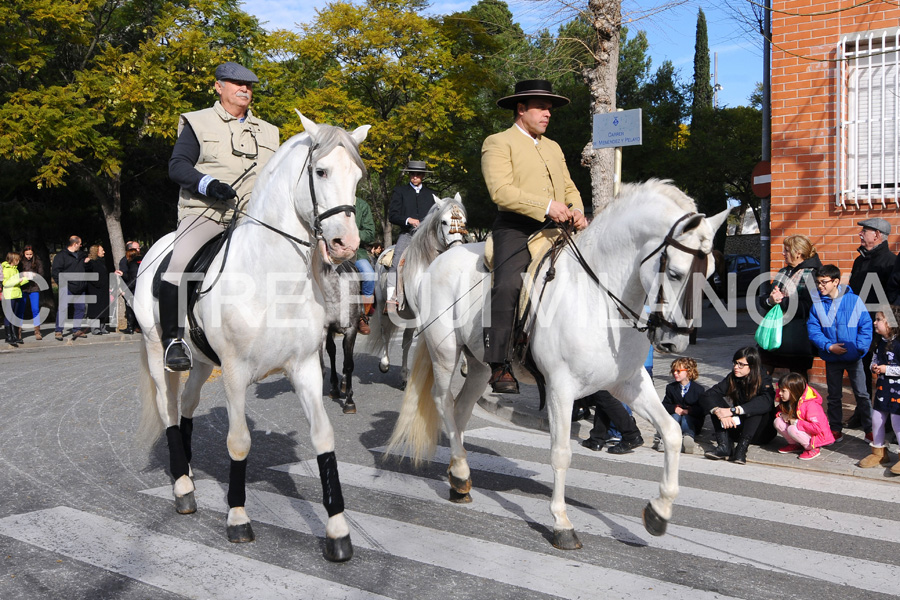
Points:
(532, 88)
(878, 224)
(416, 166)
(232, 71)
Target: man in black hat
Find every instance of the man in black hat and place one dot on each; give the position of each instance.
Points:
(527, 177)
(870, 277)
(235, 147)
(410, 203)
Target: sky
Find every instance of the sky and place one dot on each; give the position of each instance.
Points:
(670, 32)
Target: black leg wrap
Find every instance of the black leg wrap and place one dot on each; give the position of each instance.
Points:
(237, 480)
(332, 497)
(187, 429)
(178, 463)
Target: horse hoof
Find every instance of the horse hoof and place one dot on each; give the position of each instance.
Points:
(653, 523)
(338, 550)
(565, 539)
(186, 505)
(383, 367)
(403, 386)
(334, 394)
(457, 498)
(463, 486)
(349, 408)
(240, 534)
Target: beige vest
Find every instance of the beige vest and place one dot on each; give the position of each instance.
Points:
(224, 141)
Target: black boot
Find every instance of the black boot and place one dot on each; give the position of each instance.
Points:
(10, 336)
(723, 450)
(174, 348)
(740, 451)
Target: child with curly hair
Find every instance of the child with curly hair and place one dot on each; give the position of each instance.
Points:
(682, 401)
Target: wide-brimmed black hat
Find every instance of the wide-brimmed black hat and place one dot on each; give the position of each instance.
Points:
(533, 88)
(416, 166)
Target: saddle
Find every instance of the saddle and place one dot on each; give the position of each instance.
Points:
(200, 263)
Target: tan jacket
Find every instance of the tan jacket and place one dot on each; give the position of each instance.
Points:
(523, 177)
(219, 135)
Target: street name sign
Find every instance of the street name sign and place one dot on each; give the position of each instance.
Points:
(615, 129)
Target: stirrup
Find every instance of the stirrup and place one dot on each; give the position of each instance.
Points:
(187, 354)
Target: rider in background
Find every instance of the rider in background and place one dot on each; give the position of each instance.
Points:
(366, 226)
(527, 178)
(410, 204)
(218, 155)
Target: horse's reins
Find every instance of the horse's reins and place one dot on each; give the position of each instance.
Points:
(655, 319)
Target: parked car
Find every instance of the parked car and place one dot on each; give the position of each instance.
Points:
(745, 269)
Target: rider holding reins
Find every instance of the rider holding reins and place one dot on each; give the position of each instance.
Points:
(527, 178)
(218, 155)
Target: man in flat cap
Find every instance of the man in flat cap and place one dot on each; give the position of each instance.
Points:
(410, 203)
(527, 178)
(216, 159)
(869, 278)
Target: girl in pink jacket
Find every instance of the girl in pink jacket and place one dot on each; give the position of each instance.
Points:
(801, 419)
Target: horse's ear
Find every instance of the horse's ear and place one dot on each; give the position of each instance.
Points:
(308, 126)
(359, 134)
(692, 223)
(457, 198)
(716, 221)
(439, 201)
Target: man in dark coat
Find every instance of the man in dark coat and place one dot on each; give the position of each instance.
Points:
(871, 275)
(410, 204)
(65, 270)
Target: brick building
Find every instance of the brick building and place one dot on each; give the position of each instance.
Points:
(835, 116)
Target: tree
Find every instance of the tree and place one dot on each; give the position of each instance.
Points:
(702, 89)
(385, 65)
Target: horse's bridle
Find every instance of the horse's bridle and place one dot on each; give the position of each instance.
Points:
(656, 319)
(317, 218)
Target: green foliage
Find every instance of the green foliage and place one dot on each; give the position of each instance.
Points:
(702, 89)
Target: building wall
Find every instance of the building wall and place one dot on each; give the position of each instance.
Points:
(805, 89)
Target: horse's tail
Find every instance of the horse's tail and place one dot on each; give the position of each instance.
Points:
(419, 424)
(150, 426)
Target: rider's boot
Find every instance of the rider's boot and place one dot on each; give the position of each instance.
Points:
(177, 356)
(502, 380)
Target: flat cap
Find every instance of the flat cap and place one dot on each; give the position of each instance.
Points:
(235, 72)
(878, 224)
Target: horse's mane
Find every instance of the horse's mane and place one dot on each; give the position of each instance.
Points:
(663, 187)
(425, 245)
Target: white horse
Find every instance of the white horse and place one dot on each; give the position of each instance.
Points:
(443, 227)
(649, 239)
(264, 315)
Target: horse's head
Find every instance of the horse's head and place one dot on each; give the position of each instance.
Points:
(327, 188)
(674, 274)
(451, 221)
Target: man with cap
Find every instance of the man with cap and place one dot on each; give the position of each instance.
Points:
(527, 178)
(410, 203)
(218, 155)
(870, 277)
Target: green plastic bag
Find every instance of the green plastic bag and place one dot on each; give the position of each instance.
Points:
(768, 334)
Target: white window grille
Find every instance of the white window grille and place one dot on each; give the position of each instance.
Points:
(868, 118)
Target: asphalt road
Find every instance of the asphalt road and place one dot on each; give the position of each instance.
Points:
(87, 514)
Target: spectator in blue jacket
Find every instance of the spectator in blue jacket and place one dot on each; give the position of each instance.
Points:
(841, 330)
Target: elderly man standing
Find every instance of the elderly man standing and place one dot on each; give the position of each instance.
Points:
(218, 155)
(871, 274)
(527, 178)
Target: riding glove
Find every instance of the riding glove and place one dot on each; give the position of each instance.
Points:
(220, 191)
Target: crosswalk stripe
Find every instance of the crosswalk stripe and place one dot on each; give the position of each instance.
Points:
(166, 562)
(736, 506)
(815, 482)
(543, 573)
(697, 543)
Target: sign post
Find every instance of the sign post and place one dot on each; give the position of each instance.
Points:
(617, 129)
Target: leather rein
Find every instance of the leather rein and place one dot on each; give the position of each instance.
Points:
(656, 319)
